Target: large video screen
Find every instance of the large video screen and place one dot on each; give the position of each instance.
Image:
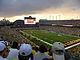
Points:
(29, 21)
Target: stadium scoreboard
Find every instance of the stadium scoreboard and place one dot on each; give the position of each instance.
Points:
(29, 20)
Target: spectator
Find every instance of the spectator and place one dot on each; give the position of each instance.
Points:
(50, 53)
(46, 59)
(13, 54)
(3, 51)
(40, 55)
(25, 52)
(60, 54)
(35, 50)
(4, 42)
(58, 51)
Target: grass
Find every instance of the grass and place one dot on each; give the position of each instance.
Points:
(51, 37)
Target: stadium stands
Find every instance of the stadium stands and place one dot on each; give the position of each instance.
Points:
(61, 26)
(6, 33)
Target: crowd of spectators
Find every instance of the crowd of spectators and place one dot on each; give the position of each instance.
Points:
(24, 51)
(11, 50)
(6, 33)
(65, 30)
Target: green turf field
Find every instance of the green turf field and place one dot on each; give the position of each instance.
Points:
(50, 37)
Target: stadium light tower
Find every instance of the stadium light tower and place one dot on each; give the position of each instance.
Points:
(59, 17)
(56, 17)
(53, 18)
(77, 17)
(50, 17)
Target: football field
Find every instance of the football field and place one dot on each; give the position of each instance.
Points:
(51, 37)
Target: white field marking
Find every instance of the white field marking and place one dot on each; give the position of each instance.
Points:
(72, 46)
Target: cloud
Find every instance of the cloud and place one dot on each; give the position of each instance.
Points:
(72, 4)
(20, 7)
(10, 8)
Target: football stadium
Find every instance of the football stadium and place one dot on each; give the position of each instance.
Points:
(45, 32)
(39, 30)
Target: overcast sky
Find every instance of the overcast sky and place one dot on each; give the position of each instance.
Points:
(9, 8)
